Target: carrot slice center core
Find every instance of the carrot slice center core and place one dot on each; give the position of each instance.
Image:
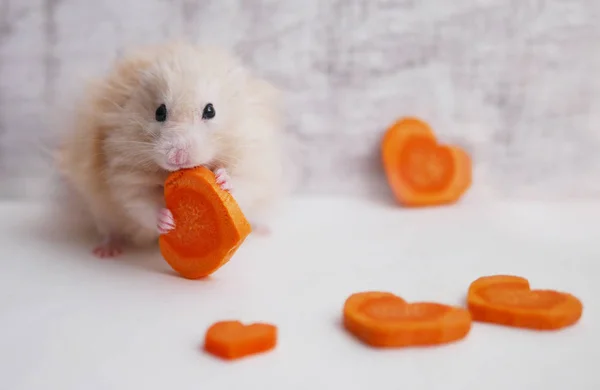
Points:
(391, 309)
(524, 298)
(195, 212)
(427, 166)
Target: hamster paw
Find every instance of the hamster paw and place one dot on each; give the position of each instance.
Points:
(223, 179)
(165, 222)
(109, 247)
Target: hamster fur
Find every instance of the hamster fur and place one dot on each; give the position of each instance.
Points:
(119, 152)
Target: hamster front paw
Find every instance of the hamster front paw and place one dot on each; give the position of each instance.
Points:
(165, 222)
(223, 179)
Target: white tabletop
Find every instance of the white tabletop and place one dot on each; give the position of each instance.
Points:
(70, 321)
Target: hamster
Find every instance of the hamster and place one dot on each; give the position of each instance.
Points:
(162, 108)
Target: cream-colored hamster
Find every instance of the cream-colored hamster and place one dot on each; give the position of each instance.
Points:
(163, 108)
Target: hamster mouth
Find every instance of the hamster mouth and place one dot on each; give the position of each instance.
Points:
(174, 168)
(212, 165)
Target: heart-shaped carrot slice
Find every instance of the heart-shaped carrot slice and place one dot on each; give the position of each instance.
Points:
(209, 225)
(420, 171)
(233, 340)
(508, 300)
(382, 319)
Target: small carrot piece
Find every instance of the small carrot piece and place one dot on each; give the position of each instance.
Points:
(419, 171)
(233, 340)
(209, 225)
(508, 300)
(382, 319)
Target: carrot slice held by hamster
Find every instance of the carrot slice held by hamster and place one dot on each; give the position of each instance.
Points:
(209, 225)
(420, 171)
(233, 340)
(508, 300)
(382, 319)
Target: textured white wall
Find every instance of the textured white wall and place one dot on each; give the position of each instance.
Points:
(512, 80)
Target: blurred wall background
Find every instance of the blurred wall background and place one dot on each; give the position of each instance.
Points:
(514, 81)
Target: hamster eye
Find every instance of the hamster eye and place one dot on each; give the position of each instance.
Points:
(209, 112)
(161, 113)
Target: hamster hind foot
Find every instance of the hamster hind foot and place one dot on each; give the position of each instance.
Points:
(110, 246)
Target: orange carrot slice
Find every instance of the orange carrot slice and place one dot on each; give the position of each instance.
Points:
(382, 319)
(209, 225)
(508, 300)
(233, 340)
(421, 172)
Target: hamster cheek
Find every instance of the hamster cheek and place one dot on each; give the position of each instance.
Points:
(202, 150)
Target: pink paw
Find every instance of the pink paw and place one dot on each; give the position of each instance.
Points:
(223, 179)
(109, 247)
(165, 223)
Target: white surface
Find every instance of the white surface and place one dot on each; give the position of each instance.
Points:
(70, 321)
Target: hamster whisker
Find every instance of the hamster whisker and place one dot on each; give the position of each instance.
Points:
(227, 158)
(139, 153)
(129, 142)
(113, 103)
(144, 163)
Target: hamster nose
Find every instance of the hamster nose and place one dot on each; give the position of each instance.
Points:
(178, 157)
